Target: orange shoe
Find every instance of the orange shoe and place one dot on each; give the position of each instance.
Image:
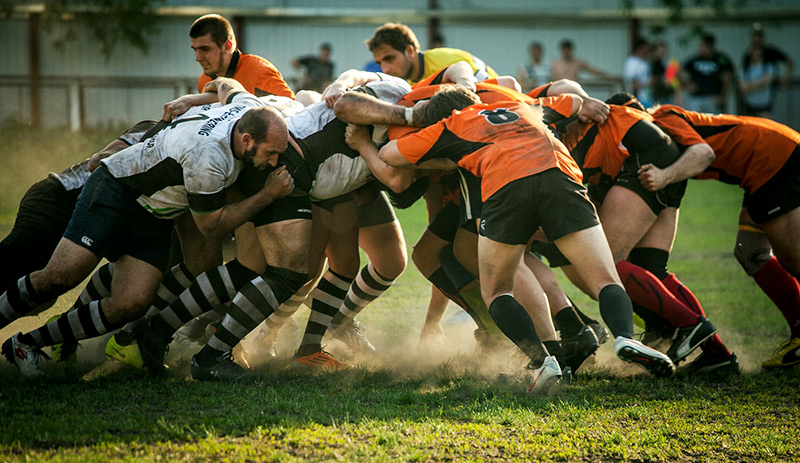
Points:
(319, 359)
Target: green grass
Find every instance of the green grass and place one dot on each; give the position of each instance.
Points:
(410, 404)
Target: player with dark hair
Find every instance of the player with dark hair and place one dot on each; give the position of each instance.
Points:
(640, 225)
(761, 156)
(122, 215)
(396, 49)
(528, 180)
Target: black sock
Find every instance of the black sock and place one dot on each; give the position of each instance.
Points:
(516, 324)
(650, 259)
(568, 322)
(587, 320)
(440, 279)
(459, 275)
(616, 310)
(554, 349)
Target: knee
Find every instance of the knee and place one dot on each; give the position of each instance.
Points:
(392, 267)
(752, 251)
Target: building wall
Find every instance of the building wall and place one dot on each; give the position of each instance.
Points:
(171, 68)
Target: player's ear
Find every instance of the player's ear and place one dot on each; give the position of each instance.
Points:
(409, 51)
(227, 47)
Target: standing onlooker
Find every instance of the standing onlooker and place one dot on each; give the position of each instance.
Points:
(636, 72)
(755, 84)
(535, 71)
(771, 54)
(665, 88)
(707, 77)
(569, 66)
(317, 70)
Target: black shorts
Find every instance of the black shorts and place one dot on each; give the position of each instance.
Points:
(375, 209)
(551, 200)
(779, 195)
(109, 222)
(286, 208)
(470, 204)
(43, 215)
(329, 204)
(550, 252)
(445, 224)
(647, 144)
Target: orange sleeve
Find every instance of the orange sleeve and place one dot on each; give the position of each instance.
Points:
(415, 146)
(556, 108)
(678, 129)
(268, 80)
(540, 91)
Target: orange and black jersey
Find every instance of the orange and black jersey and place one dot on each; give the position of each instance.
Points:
(554, 109)
(749, 150)
(256, 74)
(499, 143)
(602, 149)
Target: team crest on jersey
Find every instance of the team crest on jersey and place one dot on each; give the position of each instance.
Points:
(499, 116)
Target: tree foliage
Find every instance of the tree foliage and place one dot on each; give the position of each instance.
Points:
(110, 22)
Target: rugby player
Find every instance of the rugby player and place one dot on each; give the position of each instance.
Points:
(396, 49)
(640, 225)
(761, 156)
(525, 172)
(122, 214)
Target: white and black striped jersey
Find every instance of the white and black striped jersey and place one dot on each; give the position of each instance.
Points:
(188, 164)
(336, 168)
(75, 176)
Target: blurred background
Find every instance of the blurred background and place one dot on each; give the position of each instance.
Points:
(85, 64)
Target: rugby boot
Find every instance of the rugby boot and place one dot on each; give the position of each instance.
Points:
(579, 347)
(786, 355)
(125, 353)
(223, 368)
(351, 333)
(633, 351)
(26, 358)
(689, 338)
(63, 353)
(152, 347)
(317, 360)
(713, 365)
(546, 377)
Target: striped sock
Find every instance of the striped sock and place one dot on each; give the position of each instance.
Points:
(87, 321)
(328, 298)
(208, 291)
(256, 301)
(19, 300)
(368, 286)
(98, 287)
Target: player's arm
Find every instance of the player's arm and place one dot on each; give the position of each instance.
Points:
(223, 220)
(592, 110)
(182, 104)
(460, 73)
(509, 82)
(566, 86)
(390, 154)
(113, 147)
(225, 88)
(692, 162)
(362, 109)
(348, 79)
(398, 180)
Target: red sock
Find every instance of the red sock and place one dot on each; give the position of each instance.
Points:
(649, 292)
(784, 291)
(714, 345)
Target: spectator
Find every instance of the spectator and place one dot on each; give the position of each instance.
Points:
(569, 66)
(755, 84)
(636, 72)
(535, 71)
(317, 70)
(707, 77)
(665, 87)
(771, 55)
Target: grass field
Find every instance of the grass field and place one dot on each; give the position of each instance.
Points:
(410, 404)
